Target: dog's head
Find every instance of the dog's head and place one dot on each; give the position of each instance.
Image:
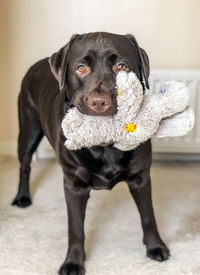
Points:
(86, 69)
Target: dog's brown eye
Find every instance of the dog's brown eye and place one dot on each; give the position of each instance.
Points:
(120, 67)
(82, 70)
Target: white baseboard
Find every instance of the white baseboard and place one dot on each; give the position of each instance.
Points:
(46, 152)
(10, 149)
(180, 157)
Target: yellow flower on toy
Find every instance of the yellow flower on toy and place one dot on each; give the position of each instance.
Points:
(130, 127)
(118, 91)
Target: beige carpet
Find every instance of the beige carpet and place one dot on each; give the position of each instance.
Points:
(33, 241)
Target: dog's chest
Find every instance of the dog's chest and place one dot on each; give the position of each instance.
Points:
(107, 166)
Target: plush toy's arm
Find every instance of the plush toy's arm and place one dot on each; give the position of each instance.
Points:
(72, 120)
(177, 125)
(82, 130)
(172, 98)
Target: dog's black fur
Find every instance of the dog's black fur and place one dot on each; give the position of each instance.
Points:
(48, 90)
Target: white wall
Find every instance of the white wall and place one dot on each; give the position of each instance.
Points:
(33, 29)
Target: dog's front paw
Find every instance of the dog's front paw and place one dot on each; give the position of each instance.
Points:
(23, 201)
(71, 269)
(158, 253)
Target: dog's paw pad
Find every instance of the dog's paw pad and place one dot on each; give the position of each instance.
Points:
(22, 202)
(71, 269)
(159, 254)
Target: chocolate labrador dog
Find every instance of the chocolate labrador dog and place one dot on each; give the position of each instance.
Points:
(83, 74)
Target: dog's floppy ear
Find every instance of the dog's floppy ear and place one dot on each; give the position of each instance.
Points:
(143, 61)
(58, 62)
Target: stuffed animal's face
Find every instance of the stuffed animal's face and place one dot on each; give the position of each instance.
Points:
(87, 67)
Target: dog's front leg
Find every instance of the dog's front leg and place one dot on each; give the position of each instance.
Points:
(140, 188)
(76, 199)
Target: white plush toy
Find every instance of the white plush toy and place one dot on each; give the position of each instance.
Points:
(139, 117)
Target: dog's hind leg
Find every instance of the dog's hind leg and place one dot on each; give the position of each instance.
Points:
(30, 135)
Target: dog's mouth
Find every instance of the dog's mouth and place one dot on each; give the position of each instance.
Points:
(85, 110)
(104, 144)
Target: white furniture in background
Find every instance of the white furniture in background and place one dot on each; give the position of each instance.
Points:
(187, 144)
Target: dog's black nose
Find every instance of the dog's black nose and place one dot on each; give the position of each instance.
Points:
(99, 103)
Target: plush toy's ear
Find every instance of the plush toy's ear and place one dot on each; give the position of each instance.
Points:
(58, 62)
(143, 61)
